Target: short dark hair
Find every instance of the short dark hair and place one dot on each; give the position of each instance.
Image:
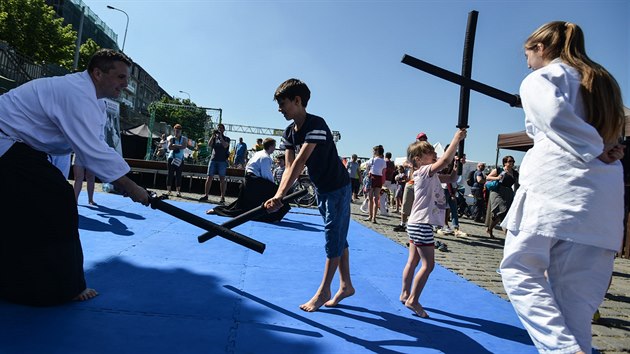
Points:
(506, 158)
(104, 60)
(388, 155)
(268, 142)
(291, 89)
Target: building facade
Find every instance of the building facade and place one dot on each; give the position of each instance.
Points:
(142, 89)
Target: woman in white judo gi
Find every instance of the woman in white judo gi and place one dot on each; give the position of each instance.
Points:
(567, 217)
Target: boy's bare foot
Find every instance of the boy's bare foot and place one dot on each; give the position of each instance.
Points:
(417, 309)
(316, 302)
(86, 294)
(340, 295)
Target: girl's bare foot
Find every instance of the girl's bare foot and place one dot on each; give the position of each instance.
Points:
(417, 309)
(85, 295)
(340, 295)
(316, 302)
(404, 296)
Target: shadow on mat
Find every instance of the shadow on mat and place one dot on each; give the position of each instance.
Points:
(496, 329)
(105, 211)
(149, 310)
(299, 225)
(427, 335)
(113, 225)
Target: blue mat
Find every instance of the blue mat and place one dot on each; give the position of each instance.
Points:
(162, 292)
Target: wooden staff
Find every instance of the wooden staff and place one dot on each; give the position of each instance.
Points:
(200, 222)
(249, 215)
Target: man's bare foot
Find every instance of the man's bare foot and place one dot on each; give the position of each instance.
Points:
(340, 295)
(489, 232)
(417, 309)
(85, 295)
(92, 203)
(316, 302)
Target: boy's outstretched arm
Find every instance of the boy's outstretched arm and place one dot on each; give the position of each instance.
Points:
(292, 173)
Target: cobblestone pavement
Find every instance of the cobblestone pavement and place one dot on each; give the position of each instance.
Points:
(476, 258)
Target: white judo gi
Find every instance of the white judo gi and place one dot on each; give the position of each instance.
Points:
(566, 218)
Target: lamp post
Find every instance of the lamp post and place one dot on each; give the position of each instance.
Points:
(126, 26)
(180, 91)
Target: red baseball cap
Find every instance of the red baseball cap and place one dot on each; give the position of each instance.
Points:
(421, 136)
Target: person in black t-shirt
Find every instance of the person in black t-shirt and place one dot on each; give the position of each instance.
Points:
(219, 145)
(308, 141)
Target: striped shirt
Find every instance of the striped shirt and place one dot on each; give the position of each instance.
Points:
(324, 165)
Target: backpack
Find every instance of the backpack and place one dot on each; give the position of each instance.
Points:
(470, 179)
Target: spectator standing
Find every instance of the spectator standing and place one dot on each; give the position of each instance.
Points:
(279, 170)
(401, 180)
(354, 173)
(479, 180)
(220, 144)
(501, 198)
(259, 145)
(390, 172)
(408, 193)
(376, 167)
(175, 160)
(240, 156)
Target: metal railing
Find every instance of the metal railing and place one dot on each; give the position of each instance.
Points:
(20, 68)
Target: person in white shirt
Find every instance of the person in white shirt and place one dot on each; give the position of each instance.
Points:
(376, 166)
(259, 186)
(261, 164)
(41, 263)
(566, 220)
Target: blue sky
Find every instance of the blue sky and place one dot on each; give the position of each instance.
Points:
(233, 54)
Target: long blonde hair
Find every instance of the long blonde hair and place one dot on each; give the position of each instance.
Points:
(599, 89)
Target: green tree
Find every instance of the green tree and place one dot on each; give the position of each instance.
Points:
(33, 28)
(85, 53)
(184, 112)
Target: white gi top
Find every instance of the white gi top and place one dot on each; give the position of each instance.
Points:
(566, 192)
(59, 115)
(260, 165)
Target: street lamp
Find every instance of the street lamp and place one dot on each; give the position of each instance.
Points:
(126, 26)
(180, 91)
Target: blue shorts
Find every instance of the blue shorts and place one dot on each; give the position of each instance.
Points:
(217, 168)
(335, 209)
